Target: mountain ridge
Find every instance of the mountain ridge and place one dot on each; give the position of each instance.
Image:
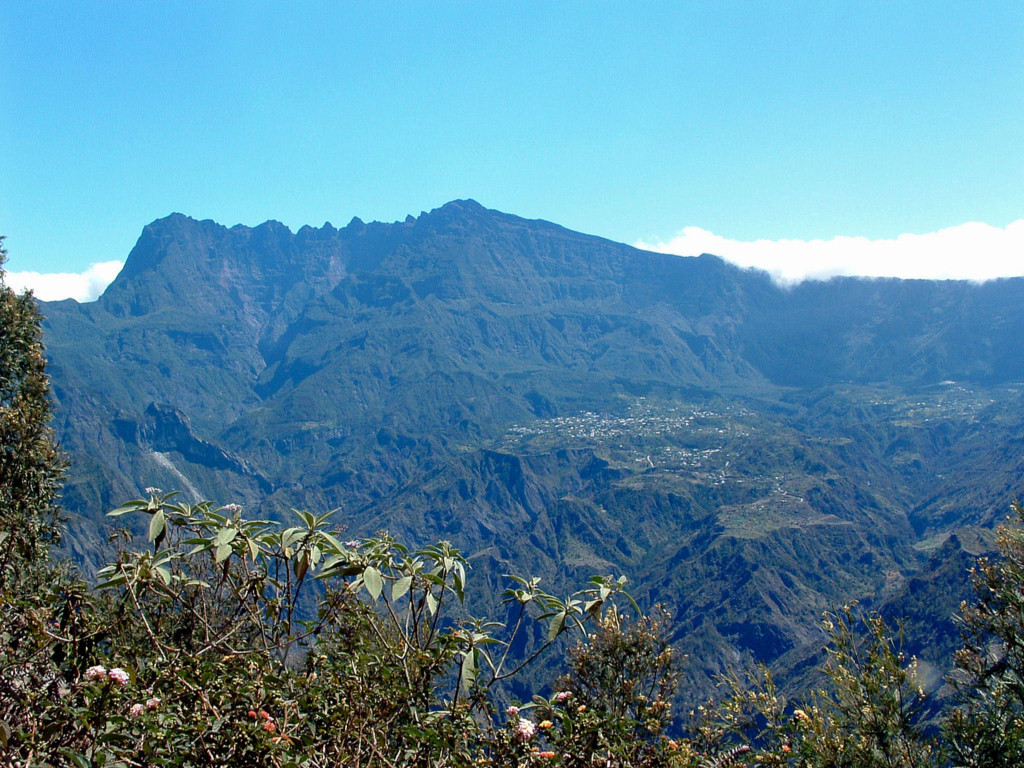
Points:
(556, 403)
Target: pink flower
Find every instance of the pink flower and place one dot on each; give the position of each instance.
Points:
(152, 703)
(525, 729)
(96, 673)
(119, 676)
(136, 710)
(512, 711)
(269, 726)
(563, 695)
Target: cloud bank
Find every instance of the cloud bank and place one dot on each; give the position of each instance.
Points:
(54, 286)
(971, 251)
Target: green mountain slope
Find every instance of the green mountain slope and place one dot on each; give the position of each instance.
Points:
(558, 404)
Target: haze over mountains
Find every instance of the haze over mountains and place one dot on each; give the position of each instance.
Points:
(561, 405)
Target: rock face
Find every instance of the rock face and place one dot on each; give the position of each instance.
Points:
(556, 403)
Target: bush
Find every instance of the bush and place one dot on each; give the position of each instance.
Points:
(987, 729)
(867, 717)
(196, 650)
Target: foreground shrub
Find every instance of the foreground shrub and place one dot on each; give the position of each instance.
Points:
(868, 716)
(211, 647)
(620, 686)
(987, 729)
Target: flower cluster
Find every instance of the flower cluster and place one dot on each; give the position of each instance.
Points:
(525, 729)
(99, 673)
(268, 721)
(96, 673)
(138, 708)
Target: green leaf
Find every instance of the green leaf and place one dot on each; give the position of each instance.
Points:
(331, 562)
(336, 546)
(339, 565)
(373, 581)
(224, 536)
(459, 581)
(556, 626)
(165, 574)
(469, 670)
(431, 603)
(77, 758)
(111, 583)
(223, 553)
(400, 587)
(301, 565)
(130, 506)
(157, 526)
(291, 535)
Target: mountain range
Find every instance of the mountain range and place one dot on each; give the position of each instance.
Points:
(561, 405)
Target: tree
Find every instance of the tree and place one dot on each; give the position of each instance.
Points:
(41, 614)
(31, 466)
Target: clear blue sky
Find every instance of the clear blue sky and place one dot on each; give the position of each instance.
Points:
(627, 120)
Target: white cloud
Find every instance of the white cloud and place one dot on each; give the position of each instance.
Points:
(54, 286)
(971, 251)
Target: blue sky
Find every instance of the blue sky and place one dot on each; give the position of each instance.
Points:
(748, 121)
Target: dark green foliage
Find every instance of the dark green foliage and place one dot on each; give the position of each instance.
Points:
(45, 633)
(191, 652)
(30, 464)
(870, 714)
(865, 715)
(622, 682)
(988, 730)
